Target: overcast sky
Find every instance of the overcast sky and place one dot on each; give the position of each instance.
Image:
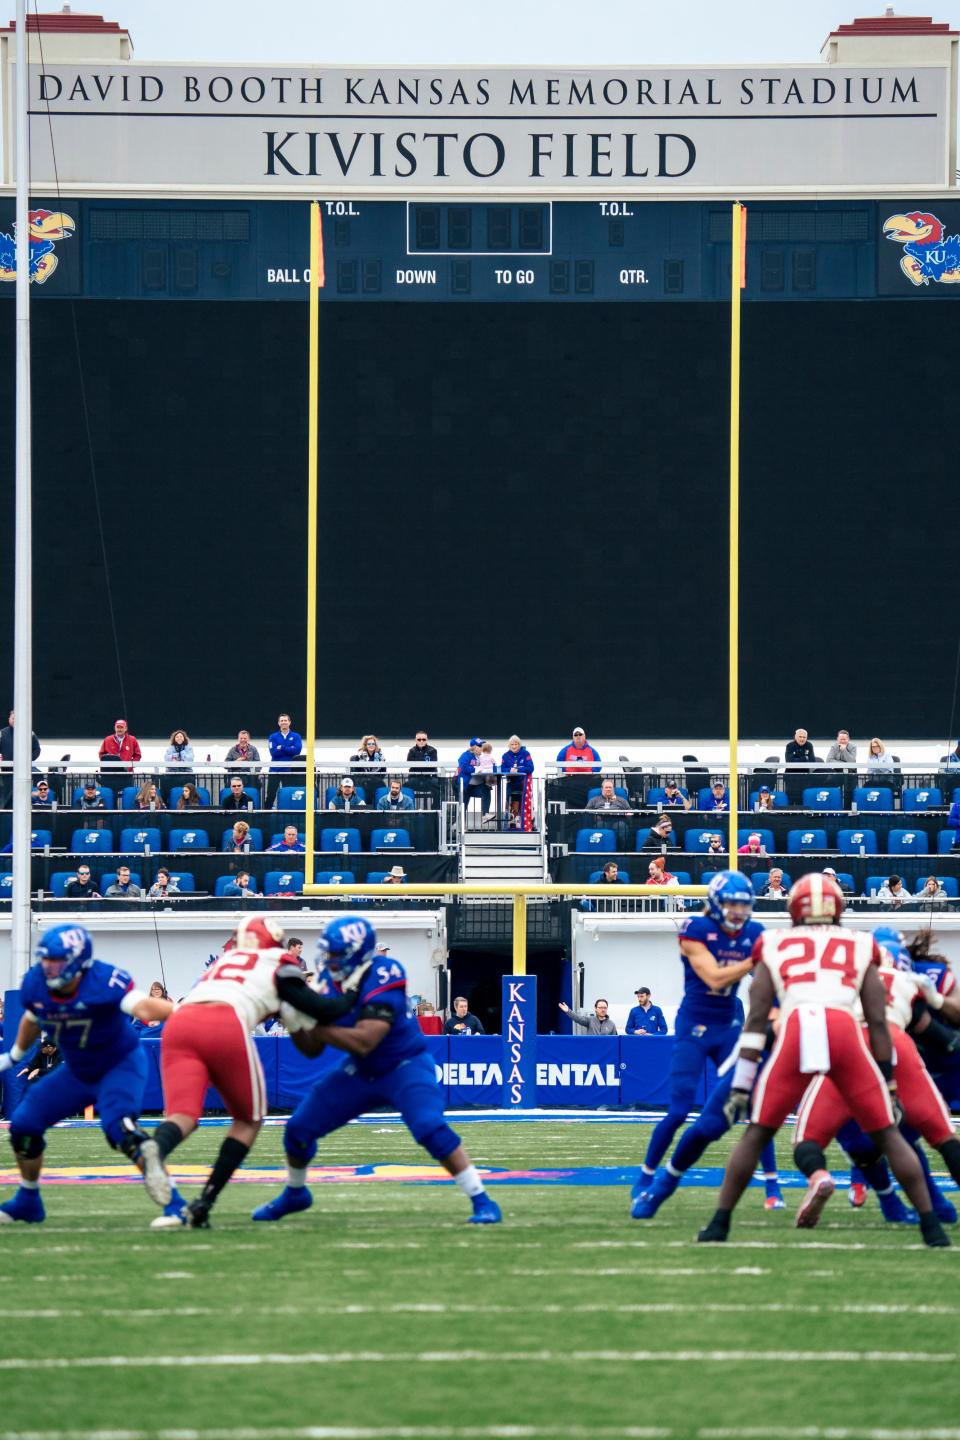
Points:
(477, 32)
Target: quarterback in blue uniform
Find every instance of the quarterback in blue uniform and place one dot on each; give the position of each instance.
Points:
(87, 1007)
(716, 948)
(386, 1063)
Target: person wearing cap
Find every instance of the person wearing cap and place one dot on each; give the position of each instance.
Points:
(396, 875)
(578, 756)
(674, 796)
(718, 799)
(461, 1022)
(645, 1018)
(764, 800)
(659, 835)
(754, 845)
(395, 798)
(472, 788)
(843, 883)
(346, 797)
(42, 798)
(120, 748)
(91, 799)
(658, 874)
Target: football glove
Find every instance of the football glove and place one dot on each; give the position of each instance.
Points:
(354, 980)
(737, 1106)
(293, 1020)
(930, 992)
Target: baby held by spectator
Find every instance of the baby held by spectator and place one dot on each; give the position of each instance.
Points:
(485, 763)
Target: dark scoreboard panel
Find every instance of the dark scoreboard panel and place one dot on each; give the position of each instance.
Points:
(616, 249)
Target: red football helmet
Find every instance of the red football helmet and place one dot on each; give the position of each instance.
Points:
(260, 932)
(815, 900)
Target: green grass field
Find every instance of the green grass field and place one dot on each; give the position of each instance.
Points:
(380, 1313)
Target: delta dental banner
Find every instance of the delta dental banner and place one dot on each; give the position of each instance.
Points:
(409, 131)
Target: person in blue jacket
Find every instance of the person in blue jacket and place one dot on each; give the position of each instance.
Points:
(578, 757)
(470, 789)
(285, 746)
(517, 762)
(645, 1018)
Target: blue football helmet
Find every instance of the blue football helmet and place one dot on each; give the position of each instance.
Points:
(730, 900)
(74, 946)
(891, 942)
(345, 945)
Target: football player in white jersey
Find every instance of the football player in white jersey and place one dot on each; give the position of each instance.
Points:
(818, 974)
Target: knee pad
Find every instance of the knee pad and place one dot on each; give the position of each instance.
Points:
(299, 1146)
(439, 1142)
(27, 1147)
(809, 1157)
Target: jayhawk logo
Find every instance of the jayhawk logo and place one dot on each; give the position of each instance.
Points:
(927, 253)
(46, 227)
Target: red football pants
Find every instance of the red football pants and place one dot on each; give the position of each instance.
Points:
(853, 1070)
(204, 1045)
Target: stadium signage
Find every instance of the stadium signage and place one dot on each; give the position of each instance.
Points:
(519, 1001)
(396, 131)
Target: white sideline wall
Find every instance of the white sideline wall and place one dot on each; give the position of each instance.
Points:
(131, 941)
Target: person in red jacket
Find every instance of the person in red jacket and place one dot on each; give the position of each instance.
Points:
(121, 747)
(578, 757)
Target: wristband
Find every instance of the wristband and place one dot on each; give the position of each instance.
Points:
(745, 1074)
(753, 1040)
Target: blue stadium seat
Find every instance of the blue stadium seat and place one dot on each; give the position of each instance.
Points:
(849, 842)
(873, 884)
(706, 793)
(946, 840)
(222, 881)
(6, 886)
(283, 882)
(697, 842)
(254, 835)
(682, 877)
(913, 798)
(800, 841)
(174, 795)
(766, 837)
(346, 839)
(950, 885)
(873, 797)
(398, 839)
(104, 791)
(358, 790)
(846, 882)
(40, 838)
(761, 879)
(335, 877)
(596, 878)
(656, 795)
(907, 842)
(134, 840)
(127, 799)
(184, 881)
(595, 841)
(382, 790)
(59, 881)
(824, 797)
(780, 799)
(707, 875)
(110, 878)
(248, 790)
(956, 795)
(293, 797)
(189, 840)
(379, 877)
(97, 842)
(620, 790)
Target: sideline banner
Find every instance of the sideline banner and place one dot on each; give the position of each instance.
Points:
(519, 1041)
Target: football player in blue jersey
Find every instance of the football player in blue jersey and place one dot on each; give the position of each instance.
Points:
(716, 948)
(386, 1063)
(86, 1006)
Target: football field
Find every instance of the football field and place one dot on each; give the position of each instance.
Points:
(380, 1313)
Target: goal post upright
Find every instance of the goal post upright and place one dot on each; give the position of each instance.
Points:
(313, 402)
(737, 280)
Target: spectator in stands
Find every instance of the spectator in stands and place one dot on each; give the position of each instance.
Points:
(179, 753)
(718, 799)
(715, 845)
(461, 1022)
(238, 799)
(892, 893)
(421, 752)
(189, 798)
(369, 757)
(6, 756)
(932, 892)
(472, 787)
(578, 756)
(285, 746)
(42, 797)
(658, 874)
(754, 845)
(773, 890)
(244, 755)
(645, 1018)
(163, 885)
(675, 796)
(158, 991)
(82, 886)
(765, 800)
(395, 798)
(879, 761)
(517, 762)
(611, 874)
(599, 1023)
(123, 888)
(47, 1058)
(239, 841)
(295, 948)
(396, 875)
(239, 886)
(290, 841)
(91, 799)
(148, 797)
(842, 751)
(799, 750)
(120, 748)
(346, 797)
(953, 821)
(608, 799)
(844, 884)
(659, 835)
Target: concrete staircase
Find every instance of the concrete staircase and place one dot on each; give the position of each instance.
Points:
(512, 856)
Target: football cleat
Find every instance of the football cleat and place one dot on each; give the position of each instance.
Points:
(25, 1205)
(714, 1233)
(291, 1200)
(857, 1194)
(894, 1211)
(155, 1177)
(173, 1214)
(641, 1185)
(945, 1212)
(933, 1232)
(774, 1202)
(648, 1202)
(819, 1190)
(485, 1210)
(196, 1215)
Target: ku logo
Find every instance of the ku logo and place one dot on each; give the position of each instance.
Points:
(928, 254)
(46, 227)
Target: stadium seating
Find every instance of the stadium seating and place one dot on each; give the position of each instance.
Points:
(104, 791)
(856, 842)
(398, 839)
(40, 839)
(382, 790)
(705, 794)
(596, 878)
(799, 841)
(189, 840)
(137, 841)
(656, 795)
(347, 839)
(589, 841)
(184, 881)
(293, 797)
(127, 799)
(59, 881)
(222, 881)
(761, 879)
(110, 878)
(873, 797)
(846, 882)
(950, 885)
(682, 877)
(6, 885)
(254, 835)
(828, 797)
(780, 799)
(97, 842)
(696, 842)
(946, 841)
(283, 882)
(358, 790)
(766, 837)
(907, 842)
(913, 798)
(335, 877)
(873, 884)
(379, 877)
(248, 790)
(174, 795)
(620, 790)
